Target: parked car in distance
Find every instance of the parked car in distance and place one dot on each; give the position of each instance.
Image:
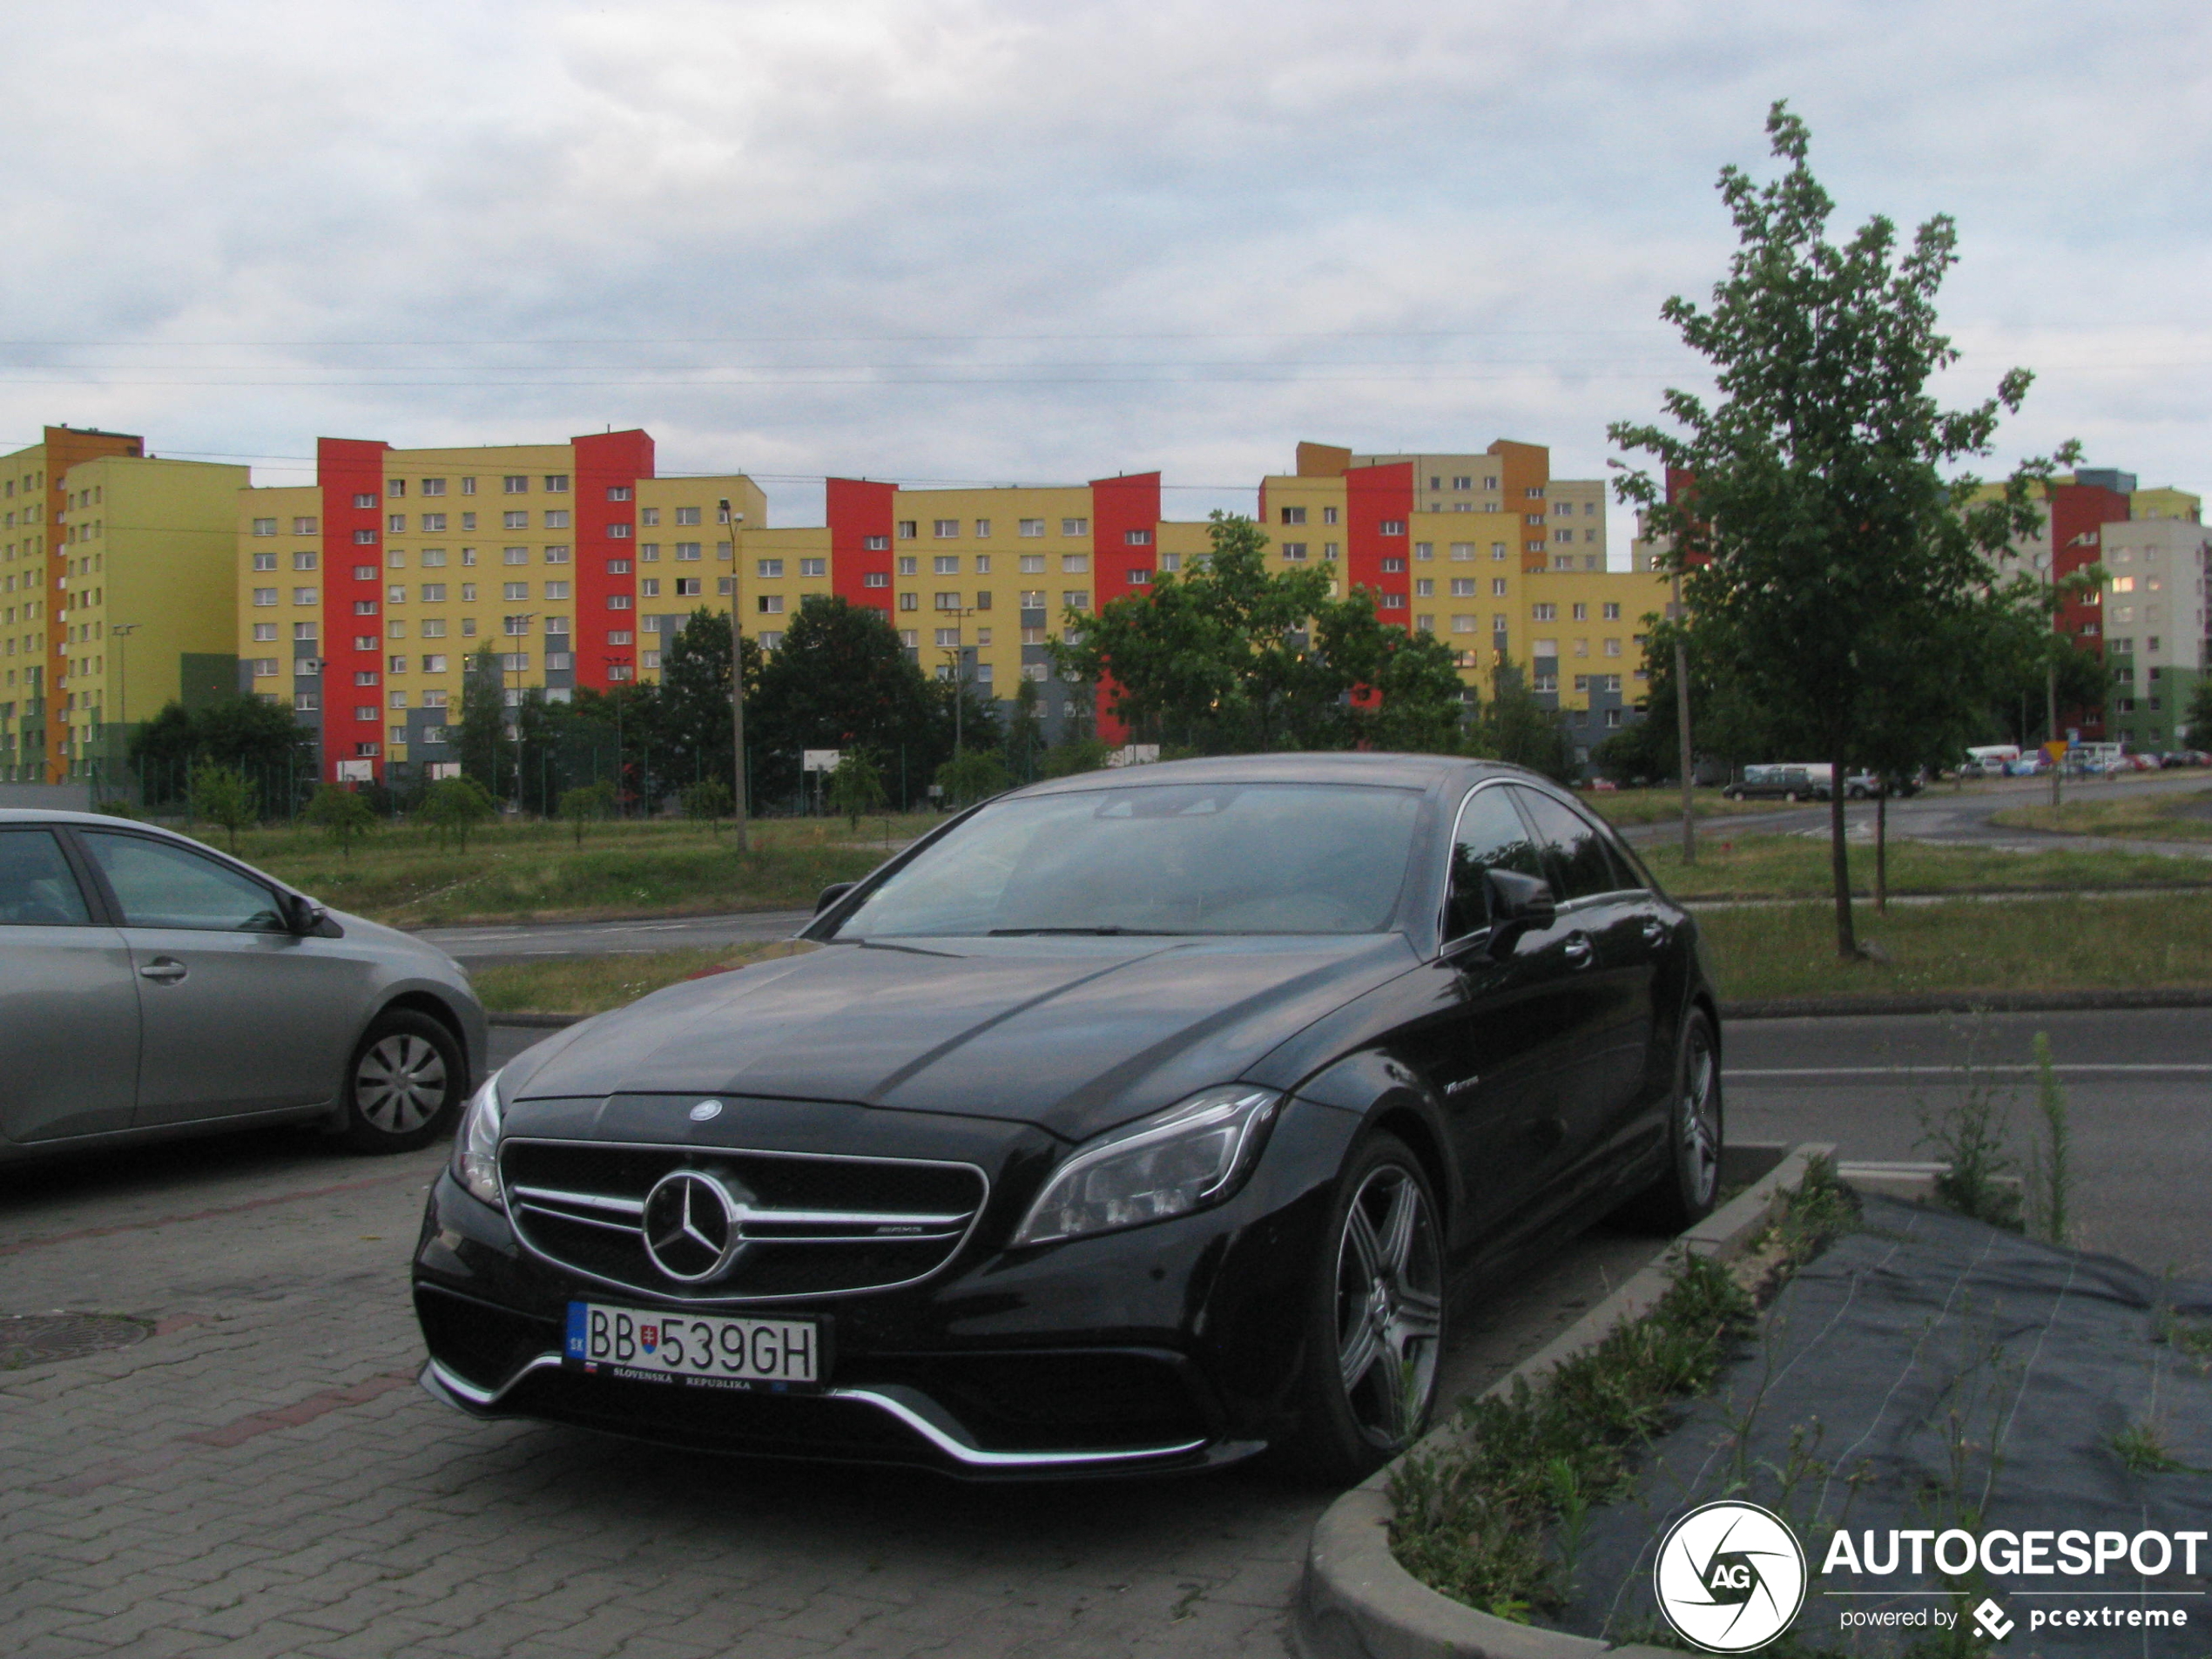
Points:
(1990, 760)
(1808, 781)
(152, 987)
(2173, 757)
(2034, 764)
(1133, 1122)
(1864, 786)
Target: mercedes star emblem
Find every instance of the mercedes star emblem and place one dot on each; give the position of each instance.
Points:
(706, 1109)
(691, 1226)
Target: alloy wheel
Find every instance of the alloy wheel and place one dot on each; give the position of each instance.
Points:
(1390, 1306)
(401, 1083)
(1699, 1129)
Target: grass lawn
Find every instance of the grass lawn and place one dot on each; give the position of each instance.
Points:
(2162, 817)
(594, 984)
(1756, 865)
(521, 873)
(2026, 945)
(2060, 943)
(1658, 805)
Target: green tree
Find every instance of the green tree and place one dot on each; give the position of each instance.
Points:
(972, 775)
(341, 814)
(585, 802)
(856, 785)
(455, 806)
(222, 795)
(842, 679)
(480, 735)
(1025, 742)
(245, 732)
(709, 800)
(1076, 754)
(1402, 691)
(1516, 727)
(693, 729)
(1820, 543)
(2200, 714)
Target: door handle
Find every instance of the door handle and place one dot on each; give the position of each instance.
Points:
(1579, 950)
(166, 969)
(1654, 930)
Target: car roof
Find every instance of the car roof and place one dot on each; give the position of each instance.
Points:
(1385, 770)
(44, 815)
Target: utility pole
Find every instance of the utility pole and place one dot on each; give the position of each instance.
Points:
(736, 673)
(1682, 730)
(513, 634)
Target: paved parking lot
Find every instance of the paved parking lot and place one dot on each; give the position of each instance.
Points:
(259, 1475)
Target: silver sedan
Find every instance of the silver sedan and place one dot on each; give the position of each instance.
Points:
(151, 986)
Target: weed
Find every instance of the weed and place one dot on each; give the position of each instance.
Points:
(1972, 1135)
(2190, 1339)
(2141, 1451)
(2050, 1165)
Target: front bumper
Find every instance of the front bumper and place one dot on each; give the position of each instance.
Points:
(1172, 1346)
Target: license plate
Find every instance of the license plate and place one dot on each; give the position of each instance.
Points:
(704, 1350)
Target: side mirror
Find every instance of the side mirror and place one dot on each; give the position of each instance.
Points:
(830, 895)
(1518, 904)
(306, 916)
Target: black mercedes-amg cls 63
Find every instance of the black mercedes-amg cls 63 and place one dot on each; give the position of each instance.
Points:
(1137, 1121)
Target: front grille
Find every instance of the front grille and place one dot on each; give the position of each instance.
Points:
(484, 1344)
(803, 1225)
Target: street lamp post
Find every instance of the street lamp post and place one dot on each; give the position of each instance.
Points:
(737, 676)
(121, 632)
(958, 656)
(514, 633)
(612, 664)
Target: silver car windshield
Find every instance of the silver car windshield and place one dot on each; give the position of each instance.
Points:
(1165, 858)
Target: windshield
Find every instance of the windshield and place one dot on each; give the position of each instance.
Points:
(1165, 858)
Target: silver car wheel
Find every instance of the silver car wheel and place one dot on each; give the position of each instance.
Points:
(1699, 1130)
(399, 1084)
(1390, 1306)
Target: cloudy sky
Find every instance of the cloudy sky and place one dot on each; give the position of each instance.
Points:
(977, 242)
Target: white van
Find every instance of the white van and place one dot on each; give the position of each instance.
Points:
(1990, 761)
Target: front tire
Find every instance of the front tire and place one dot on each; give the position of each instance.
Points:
(1375, 1318)
(1684, 1194)
(406, 1081)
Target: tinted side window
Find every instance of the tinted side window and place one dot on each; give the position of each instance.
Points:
(1574, 847)
(1491, 836)
(161, 885)
(38, 888)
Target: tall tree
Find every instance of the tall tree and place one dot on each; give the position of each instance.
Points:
(694, 729)
(1517, 728)
(480, 732)
(1821, 546)
(841, 679)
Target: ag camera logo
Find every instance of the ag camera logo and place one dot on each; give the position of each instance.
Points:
(1730, 1576)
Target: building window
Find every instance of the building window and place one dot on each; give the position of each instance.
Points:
(556, 483)
(265, 561)
(515, 484)
(770, 604)
(1030, 527)
(687, 586)
(946, 601)
(909, 602)
(1294, 551)
(365, 499)
(1032, 565)
(618, 492)
(945, 564)
(305, 526)
(687, 515)
(875, 544)
(1294, 515)
(618, 602)
(907, 528)
(556, 521)
(813, 567)
(307, 597)
(686, 551)
(1391, 526)
(1581, 612)
(876, 579)
(1393, 567)
(768, 568)
(265, 526)
(982, 529)
(944, 529)
(1136, 538)
(1075, 563)
(364, 538)
(1075, 527)
(1076, 599)
(1140, 578)
(1393, 602)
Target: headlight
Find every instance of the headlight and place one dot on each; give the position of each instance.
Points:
(476, 1149)
(1176, 1161)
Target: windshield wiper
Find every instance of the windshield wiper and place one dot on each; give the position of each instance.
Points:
(1150, 932)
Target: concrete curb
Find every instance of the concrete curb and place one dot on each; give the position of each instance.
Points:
(1355, 1602)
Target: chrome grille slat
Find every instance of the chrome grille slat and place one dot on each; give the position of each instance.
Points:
(582, 1206)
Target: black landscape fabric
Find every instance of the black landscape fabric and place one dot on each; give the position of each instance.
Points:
(1931, 1373)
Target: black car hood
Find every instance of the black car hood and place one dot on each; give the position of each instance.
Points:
(1072, 1035)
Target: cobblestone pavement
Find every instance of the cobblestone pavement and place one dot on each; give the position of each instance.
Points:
(260, 1474)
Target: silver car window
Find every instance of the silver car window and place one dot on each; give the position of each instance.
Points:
(162, 885)
(38, 888)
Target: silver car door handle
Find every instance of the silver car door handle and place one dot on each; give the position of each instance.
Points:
(1579, 950)
(1654, 929)
(167, 970)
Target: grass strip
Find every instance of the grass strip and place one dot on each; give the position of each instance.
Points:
(1661, 805)
(2057, 944)
(1752, 864)
(594, 984)
(1493, 1519)
(2161, 817)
